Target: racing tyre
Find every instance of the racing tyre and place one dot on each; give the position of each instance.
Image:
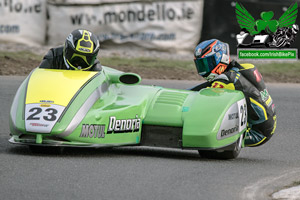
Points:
(223, 155)
(45, 150)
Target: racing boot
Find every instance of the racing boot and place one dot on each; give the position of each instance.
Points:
(252, 138)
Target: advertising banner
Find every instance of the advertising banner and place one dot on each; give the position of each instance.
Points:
(163, 25)
(23, 21)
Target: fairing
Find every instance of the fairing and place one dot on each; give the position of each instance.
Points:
(109, 108)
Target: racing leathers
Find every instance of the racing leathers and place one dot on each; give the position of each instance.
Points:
(54, 60)
(261, 109)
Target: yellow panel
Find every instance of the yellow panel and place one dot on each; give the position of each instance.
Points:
(261, 106)
(218, 84)
(55, 86)
(247, 66)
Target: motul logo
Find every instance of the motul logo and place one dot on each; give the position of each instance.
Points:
(92, 131)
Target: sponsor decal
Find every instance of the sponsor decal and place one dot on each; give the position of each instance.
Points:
(273, 107)
(218, 55)
(84, 50)
(226, 132)
(269, 101)
(45, 105)
(233, 116)
(123, 125)
(221, 68)
(218, 85)
(46, 101)
(38, 125)
(92, 131)
(264, 95)
(198, 52)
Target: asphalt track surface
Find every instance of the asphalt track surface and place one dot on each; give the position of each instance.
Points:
(149, 173)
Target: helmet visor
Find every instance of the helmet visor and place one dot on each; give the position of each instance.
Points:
(205, 65)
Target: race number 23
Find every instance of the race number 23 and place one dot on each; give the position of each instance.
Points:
(242, 105)
(42, 119)
(243, 113)
(48, 114)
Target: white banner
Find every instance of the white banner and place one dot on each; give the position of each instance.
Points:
(23, 21)
(92, 2)
(164, 25)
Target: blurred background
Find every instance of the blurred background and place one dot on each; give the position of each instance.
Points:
(154, 38)
(164, 25)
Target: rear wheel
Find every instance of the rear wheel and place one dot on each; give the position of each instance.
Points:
(225, 154)
(45, 150)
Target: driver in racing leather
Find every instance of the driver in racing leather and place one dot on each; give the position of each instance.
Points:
(212, 60)
(79, 53)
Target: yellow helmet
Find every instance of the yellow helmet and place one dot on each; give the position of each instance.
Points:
(81, 50)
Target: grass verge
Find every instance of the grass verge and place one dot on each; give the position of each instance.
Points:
(21, 63)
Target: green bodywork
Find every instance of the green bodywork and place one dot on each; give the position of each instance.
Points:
(123, 112)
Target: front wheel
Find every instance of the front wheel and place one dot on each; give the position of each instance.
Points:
(225, 154)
